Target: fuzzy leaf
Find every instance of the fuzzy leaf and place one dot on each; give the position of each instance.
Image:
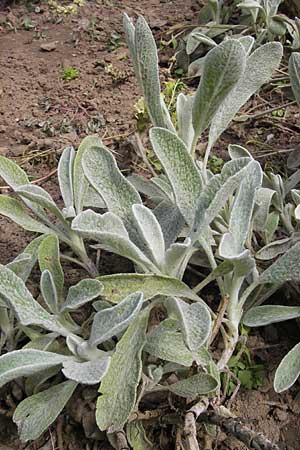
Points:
(166, 342)
(23, 264)
(116, 287)
(129, 32)
(267, 314)
(217, 191)
(263, 201)
(146, 54)
(65, 180)
(22, 363)
(89, 372)
(288, 370)
(237, 151)
(11, 173)
(177, 257)
(49, 291)
(223, 66)
(232, 243)
(38, 196)
(171, 221)
(49, 259)
(112, 321)
(259, 68)
(93, 199)
(286, 268)
(200, 384)
(184, 109)
(82, 293)
(119, 385)
(80, 183)
(10, 207)
(116, 191)
(36, 413)
(195, 322)
(28, 310)
(148, 188)
(274, 249)
(180, 169)
(294, 73)
(150, 234)
(109, 230)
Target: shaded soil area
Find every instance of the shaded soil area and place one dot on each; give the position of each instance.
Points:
(41, 114)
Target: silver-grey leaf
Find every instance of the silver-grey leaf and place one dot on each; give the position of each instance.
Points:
(274, 249)
(88, 372)
(36, 413)
(259, 68)
(171, 221)
(49, 259)
(232, 243)
(177, 257)
(37, 195)
(146, 55)
(80, 183)
(28, 310)
(14, 210)
(294, 73)
(288, 370)
(23, 264)
(223, 67)
(11, 173)
(285, 268)
(194, 320)
(112, 321)
(216, 193)
(65, 179)
(264, 315)
(102, 172)
(150, 234)
(83, 292)
(109, 231)
(49, 291)
(118, 286)
(200, 384)
(22, 363)
(119, 385)
(263, 202)
(167, 343)
(237, 151)
(180, 169)
(184, 113)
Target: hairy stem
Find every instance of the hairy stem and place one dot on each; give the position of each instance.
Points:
(234, 427)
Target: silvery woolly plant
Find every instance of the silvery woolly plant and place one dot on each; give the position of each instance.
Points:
(48, 218)
(56, 343)
(259, 18)
(198, 217)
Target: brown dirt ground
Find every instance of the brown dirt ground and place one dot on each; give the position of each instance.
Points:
(40, 114)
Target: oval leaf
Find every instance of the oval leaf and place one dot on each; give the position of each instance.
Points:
(288, 370)
(112, 321)
(264, 315)
(200, 384)
(22, 363)
(36, 413)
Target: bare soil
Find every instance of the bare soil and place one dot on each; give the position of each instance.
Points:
(41, 114)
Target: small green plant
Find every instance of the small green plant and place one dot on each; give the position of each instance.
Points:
(70, 73)
(28, 24)
(115, 41)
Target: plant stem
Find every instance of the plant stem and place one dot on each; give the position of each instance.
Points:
(234, 427)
